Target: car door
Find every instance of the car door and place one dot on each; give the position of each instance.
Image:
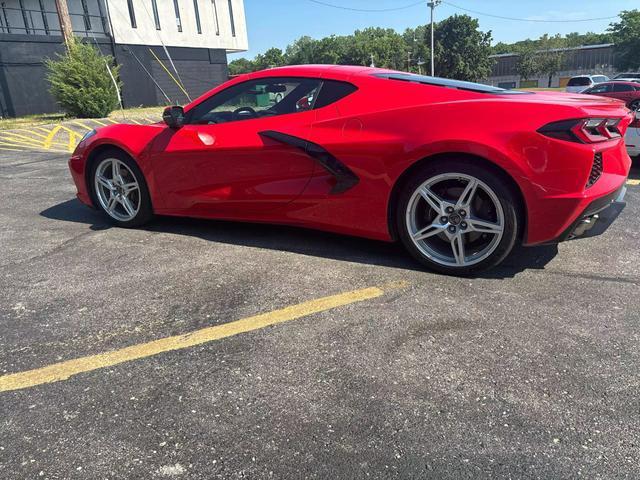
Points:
(624, 92)
(223, 163)
(602, 90)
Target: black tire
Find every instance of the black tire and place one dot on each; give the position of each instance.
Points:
(145, 210)
(495, 180)
(635, 105)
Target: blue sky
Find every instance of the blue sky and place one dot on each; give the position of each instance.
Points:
(276, 23)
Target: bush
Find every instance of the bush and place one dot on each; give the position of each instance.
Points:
(80, 82)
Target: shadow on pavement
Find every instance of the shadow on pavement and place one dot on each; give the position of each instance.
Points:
(298, 240)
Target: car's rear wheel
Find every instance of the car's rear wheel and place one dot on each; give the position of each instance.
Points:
(120, 189)
(457, 217)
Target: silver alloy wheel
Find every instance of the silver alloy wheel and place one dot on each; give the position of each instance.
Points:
(117, 189)
(455, 220)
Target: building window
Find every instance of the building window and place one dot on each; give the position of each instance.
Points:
(6, 25)
(215, 16)
(156, 17)
(176, 7)
(233, 23)
(85, 16)
(132, 14)
(25, 17)
(45, 22)
(197, 11)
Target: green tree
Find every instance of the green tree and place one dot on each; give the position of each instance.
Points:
(302, 51)
(462, 49)
(626, 36)
(333, 50)
(418, 41)
(270, 59)
(240, 66)
(80, 82)
(527, 64)
(385, 45)
(551, 58)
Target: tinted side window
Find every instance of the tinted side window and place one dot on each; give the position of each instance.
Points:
(600, 89)
(332, 91)
(622, 88)
(266, 97)
(579, 82)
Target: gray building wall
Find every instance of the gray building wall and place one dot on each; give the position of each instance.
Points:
(24, 89)
(586, 60)
(29, 36)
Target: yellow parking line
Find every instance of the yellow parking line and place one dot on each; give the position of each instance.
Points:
(80, 124)
(10, 149)
(42, 129)
(135, 121)
(24, 146)
(99, 122)
(24, 140)
(32, 132)
(633, 181)
(72, 139)
(63, 370)
(49, 140)
(19, 139)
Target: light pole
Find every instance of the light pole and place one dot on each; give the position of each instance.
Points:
(432, 5)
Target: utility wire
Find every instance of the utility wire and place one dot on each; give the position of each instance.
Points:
(516, 19)
(526, 19)
(319, 2)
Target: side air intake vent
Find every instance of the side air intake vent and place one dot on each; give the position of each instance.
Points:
(596, 170)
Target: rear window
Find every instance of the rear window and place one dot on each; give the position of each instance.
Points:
(448, 83)
(332, 91)
(579, 82)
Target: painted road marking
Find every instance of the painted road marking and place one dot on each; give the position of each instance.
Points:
(633, 181)
(63, 370)
(80, 124)
(49, 140)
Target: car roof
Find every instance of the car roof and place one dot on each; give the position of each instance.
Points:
(325, 71)
(619, 82)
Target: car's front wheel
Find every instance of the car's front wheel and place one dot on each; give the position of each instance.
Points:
(457, 217)
(120, 189)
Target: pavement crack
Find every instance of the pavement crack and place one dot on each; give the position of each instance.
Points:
(600, 278)
(62, 246)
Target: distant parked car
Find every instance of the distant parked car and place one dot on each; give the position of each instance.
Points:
(632, 138)
(582, 82)
(627, 75)
(629, 92)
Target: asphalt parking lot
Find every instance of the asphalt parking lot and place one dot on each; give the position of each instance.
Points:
(528, 372)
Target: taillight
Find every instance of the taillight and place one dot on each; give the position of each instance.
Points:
(583, 130)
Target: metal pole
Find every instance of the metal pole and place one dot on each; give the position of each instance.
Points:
(65, 21)
(432, 5)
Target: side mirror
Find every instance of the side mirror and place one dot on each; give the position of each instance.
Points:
(173, 116)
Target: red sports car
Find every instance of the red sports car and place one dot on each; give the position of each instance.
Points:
(628, 92)
(458, 172)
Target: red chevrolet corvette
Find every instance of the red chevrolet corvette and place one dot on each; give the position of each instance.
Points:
(458, 172)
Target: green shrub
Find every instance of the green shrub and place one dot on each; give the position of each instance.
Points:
(80, 82)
